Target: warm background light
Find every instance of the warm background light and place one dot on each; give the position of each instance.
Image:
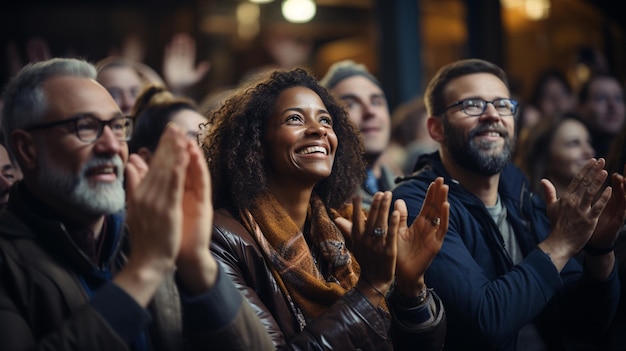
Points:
(248, 24)
(298, 11)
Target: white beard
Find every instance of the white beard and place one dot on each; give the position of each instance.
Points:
(78, 192)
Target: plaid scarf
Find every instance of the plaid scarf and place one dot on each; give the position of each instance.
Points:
(312, 277)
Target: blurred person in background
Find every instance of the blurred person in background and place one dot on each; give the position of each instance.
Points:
(601, 104)
(123, 79)
(553, 94)
(409, 135)
(154, 109)
(367, 107)
(556, 149)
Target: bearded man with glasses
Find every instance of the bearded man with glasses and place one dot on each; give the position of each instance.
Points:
(514, 273)
(80, 272)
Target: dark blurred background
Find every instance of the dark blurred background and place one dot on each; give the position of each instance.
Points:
(402, 42)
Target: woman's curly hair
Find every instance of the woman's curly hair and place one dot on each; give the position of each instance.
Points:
(233, 145)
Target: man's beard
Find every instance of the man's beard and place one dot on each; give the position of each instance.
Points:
(78, 192)
(478, 156)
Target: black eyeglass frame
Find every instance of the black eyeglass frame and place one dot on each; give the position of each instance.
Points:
(75, 120)
(514, 102)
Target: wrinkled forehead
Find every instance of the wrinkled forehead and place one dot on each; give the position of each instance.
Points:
(67, 97)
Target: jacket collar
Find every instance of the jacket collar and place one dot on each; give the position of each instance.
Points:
(28, 218)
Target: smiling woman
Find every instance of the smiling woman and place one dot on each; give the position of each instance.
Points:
(300, 138)
(285, 161)
(241, 127)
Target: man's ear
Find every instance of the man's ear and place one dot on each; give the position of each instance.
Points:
(145, 154)
(435, 128)
(25, 149)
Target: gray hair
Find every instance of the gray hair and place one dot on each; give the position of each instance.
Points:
(24, 102)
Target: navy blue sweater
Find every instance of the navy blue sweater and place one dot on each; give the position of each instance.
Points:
(487, 298)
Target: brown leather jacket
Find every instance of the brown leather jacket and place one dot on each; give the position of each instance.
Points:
(352, 324)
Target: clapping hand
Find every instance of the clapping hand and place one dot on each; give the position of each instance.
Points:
(154, 216)
(613, 215)
(574, 216)
(374, 244)
(419, 244)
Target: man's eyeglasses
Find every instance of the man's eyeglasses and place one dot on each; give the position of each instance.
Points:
(89, 128)
(476, 107)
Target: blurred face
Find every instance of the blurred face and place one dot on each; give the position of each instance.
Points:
(556, 99)
(8, 175)
(368, 110)
(481, 144)
(189, 121)
(605, 106)
(530, 117)
(86, 177)
(300, 142)
(569, 150)
(123, 83)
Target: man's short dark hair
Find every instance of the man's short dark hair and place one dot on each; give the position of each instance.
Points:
(434, 97)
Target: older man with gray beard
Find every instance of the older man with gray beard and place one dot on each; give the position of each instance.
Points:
(77, 271)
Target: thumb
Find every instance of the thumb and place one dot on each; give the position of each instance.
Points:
(345, 226)
(136, 170)
(202, 68)
(400, 206)
(549, 191)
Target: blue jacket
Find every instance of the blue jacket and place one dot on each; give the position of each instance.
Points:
(487, 298)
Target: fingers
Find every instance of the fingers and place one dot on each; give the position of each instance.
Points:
(588, 182)
(135, 171)
(599, 205)
(169, 164)
(155, 215)
(399, 217)
(597, 178)
(444, 209)
(345, 226)
(391, 242)
(358, 221)
(198, 176)
(436, 196)
(549, 191)
(445, 216)
(170, 149)
(403, 212)
(202, 68)
(618, 182)
(378, 214)
(575, 183)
